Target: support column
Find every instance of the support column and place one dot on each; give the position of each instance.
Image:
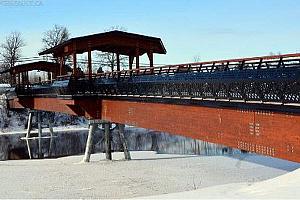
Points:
(74, 64)
(107, 136)
(137, 58)
(27, 78)
(118, 62)
(89, 143)
(61, 65)
(49, 76)
(51, 136)
(29, 126)
(131, 58)
(90, 72)
(39, 119)
(150, 56)
(19, 79)
(121, 128)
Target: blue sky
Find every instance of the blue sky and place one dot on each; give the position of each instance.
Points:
(212, 29)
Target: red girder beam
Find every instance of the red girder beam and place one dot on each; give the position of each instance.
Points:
(89, 108)
(267, 133)
(48, 104)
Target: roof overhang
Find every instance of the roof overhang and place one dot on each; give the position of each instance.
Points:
(120, 42)
(40, 65)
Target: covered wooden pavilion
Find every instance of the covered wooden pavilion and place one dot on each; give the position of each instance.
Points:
(118, 42)
(20, 72)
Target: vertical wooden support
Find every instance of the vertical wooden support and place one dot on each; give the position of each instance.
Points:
(89, 143)
(131, 58)
(121, 128)
(118, 62)
(39, 119)
(19, 79)
(49, 76)
(137, 58)
(61, 65)
(27, 78)
(22, 78)
(29, 126)
(51, 136)
(107, 136)
(74, 64)
(150, 56)
(90, 64)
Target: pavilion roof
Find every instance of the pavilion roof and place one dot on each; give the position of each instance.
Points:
(120, 42)
(39, 65)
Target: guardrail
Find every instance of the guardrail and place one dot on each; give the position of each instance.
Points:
(254, 63)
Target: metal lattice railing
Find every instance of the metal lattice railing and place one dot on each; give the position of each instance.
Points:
(265, 79)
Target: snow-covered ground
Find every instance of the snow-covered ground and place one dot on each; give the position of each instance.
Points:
(147, 175)
(282, 187)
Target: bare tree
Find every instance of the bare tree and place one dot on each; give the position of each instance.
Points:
(273, 54)
(55, 36)
(110, 59)
(11, 48)
(197, 58)
(11, 52)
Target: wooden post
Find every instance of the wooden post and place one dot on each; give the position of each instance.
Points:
(29, 126)
(74, 64)
(49, 76)
(90, 64)
(121, 128)
(27, 78)
(19, 79)
(51, 136)
(61, 65)
(118, 62)
(131, 58)
(89, 143)
(118, 65)
(107, 140)
(39, 117)
(150, 56)
(137, 58)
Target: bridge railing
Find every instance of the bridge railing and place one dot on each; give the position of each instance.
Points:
(267, 62)
(256, 63)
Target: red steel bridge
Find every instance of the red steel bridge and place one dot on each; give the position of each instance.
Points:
(249, 103)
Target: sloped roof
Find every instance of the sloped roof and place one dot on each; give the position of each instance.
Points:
(39, 65)
(114, 41)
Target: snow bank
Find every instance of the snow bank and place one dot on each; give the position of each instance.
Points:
(147, 174)
(282, 187)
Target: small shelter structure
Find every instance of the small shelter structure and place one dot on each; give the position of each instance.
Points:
(118, 42)
(19, 73)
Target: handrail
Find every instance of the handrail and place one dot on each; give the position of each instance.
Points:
(264, 62)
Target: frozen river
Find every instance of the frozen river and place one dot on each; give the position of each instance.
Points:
(146, 175)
